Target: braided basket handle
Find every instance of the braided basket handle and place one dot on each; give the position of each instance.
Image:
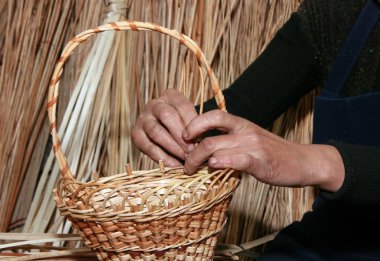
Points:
(116, 26)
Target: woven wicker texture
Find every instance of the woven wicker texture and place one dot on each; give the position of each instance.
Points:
(160, 214)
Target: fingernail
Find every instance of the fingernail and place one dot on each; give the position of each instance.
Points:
(190, 148)
(185, 135)
(213, 161)
(185, 170)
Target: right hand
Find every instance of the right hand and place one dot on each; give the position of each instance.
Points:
(158, 130)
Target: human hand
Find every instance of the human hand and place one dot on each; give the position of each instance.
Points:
(158, 130)
(266, 156)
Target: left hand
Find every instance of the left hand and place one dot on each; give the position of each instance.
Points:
(266, 156)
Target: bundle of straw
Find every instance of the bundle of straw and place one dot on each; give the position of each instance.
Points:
(74, 122)
(26, 63)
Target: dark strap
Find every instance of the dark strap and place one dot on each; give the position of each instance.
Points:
(351, 49)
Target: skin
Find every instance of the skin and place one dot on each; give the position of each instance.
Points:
(158, 130)
(170, 126)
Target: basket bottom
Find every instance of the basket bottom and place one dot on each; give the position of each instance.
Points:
(203, 250)
(162, 239)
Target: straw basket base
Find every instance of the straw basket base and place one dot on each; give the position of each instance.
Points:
(185, 237)
(202, 251)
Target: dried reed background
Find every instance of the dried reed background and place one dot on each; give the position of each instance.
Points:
(137, 68)
(31, 39)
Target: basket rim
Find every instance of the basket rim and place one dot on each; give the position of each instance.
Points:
(81, 203)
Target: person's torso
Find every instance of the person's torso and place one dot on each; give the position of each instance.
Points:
(326, 24)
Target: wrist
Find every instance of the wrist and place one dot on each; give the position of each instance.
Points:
(327, 167)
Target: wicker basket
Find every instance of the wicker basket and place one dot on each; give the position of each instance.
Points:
(160, 214)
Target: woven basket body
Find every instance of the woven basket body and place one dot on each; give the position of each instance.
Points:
(160, 214)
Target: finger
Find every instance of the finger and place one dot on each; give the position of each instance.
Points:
(145, 145)
(183, 106)
(160, 136)
(235, 158)
(215, 119)
(172, 121)
(206, 148)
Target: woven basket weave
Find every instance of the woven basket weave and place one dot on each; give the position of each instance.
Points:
(159, 214)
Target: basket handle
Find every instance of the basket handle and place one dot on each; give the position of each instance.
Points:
(116, 26)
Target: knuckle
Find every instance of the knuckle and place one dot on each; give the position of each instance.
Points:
(247, 161)
(177, 135)
(182, 108)
(154, 131)
(227, 161)
(219, 115)
(135, 135)
(191, 162)
(183, 105)
(150, 104)
(166, 112)
(154, 105)
(208, 144)
(140, 119)
(151, 150)
(253, 138)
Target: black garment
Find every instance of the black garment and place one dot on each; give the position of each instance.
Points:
(295, 62)
(335, 231)
(330, 232)
(326, 24)
(278, 78)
